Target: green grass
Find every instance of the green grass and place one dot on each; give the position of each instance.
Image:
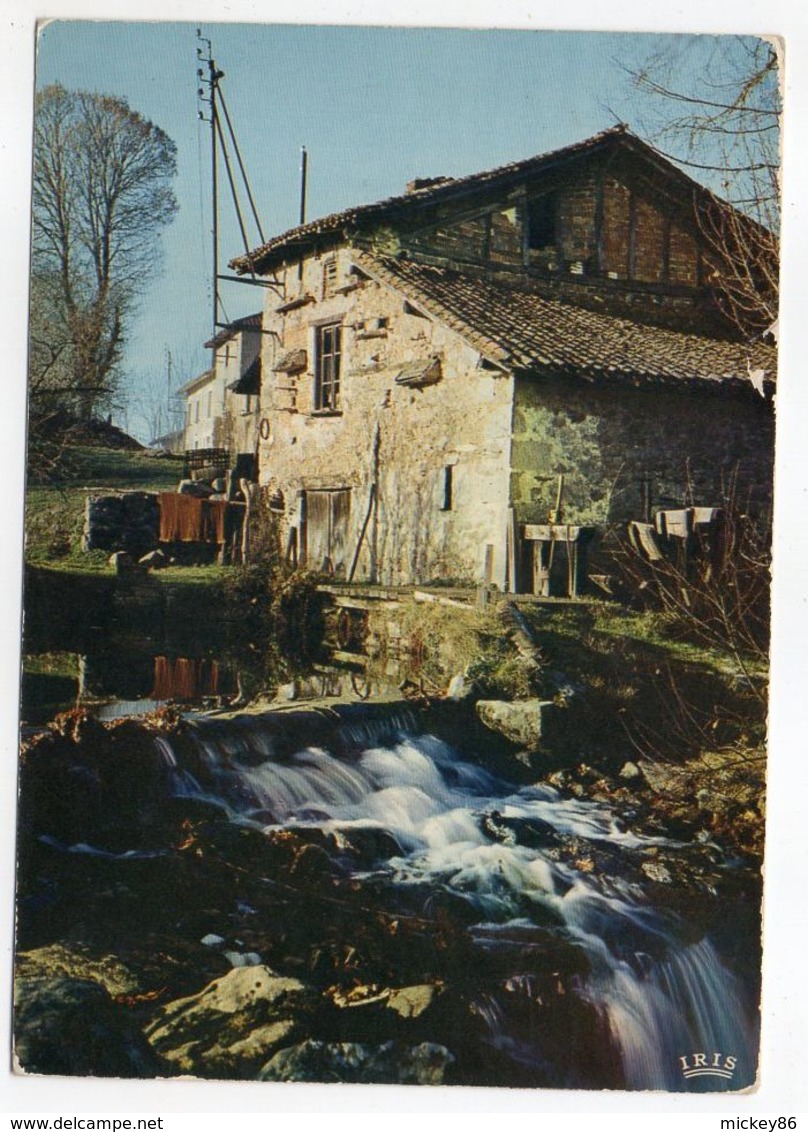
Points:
(192, 575)
(120, 469)
(54, 515)
(659, 633)
(640, 688)
(52, 664)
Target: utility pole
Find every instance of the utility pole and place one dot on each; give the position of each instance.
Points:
(211, 80)
(211, 93)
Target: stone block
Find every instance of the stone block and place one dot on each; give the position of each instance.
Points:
(521, 721)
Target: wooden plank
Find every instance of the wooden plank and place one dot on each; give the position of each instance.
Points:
(434, 599)
(291, 548)
(547, 532)
(345, 601)
(541, 569)
(488, 567)
(355, 562)
(340, 511)
(318, 542)
(512, 542)
(350, 658)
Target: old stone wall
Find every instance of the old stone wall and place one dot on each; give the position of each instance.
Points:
(417, 416)
(617, 446)
(129, 521)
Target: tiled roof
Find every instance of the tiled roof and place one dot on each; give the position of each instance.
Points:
(249, 322)
(433, 190)
(196, 382)
(520, 330)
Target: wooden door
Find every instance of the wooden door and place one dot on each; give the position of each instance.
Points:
(326, 531)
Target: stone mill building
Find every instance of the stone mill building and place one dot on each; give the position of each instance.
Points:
(451, 374)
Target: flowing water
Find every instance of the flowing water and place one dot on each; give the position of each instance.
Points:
(668, 1014)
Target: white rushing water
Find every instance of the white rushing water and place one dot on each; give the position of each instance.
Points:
(674, 1014)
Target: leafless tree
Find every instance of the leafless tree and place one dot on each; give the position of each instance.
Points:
(725, 129)
(101, 195)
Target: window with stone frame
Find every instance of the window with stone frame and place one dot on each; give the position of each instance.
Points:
(328, 355)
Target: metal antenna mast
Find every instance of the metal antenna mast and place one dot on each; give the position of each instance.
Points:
(210, 93)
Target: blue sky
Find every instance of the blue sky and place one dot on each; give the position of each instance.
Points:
(374, 106)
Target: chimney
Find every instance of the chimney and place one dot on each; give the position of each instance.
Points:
(426, 183)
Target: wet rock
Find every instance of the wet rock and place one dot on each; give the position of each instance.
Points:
(521, 722)
(630, 771)
(233, 1026)
(359, 1063)
(243, 958)
(73, 1028)
(410, 1002)
(406, 1002)
(656, 872)
(665, 778)
(367, 845)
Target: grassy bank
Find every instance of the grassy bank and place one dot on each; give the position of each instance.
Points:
(54, 514)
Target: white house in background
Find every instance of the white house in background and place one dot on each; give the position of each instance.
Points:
(222, 403)
(203, 411)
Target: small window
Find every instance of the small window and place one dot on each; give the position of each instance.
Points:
(448, 487)
(327, 368)
(210, 402)
(196, 412)
(542, 222)
(330, 278)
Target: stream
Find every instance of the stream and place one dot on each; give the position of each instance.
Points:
(652, 1003)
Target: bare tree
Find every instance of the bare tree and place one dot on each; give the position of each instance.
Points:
(726, 128)
(101, 195)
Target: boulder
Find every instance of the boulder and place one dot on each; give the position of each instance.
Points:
(61, 961)
(120, 559)
(358, 1063)
(71, 1027)
(407, 1002)
(521, 721)
(233, 1026)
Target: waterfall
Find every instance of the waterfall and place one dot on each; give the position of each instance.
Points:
(672, 1015)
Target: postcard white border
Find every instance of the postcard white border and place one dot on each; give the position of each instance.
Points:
(785, 1049)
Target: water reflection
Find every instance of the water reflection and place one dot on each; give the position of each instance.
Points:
(125, 680)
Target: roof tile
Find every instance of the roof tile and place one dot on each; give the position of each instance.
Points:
(525, 331)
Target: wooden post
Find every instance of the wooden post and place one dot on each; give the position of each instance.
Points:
(250, 492)
(371, 501)
(488, 568)
(512, 537)
(291, 548)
